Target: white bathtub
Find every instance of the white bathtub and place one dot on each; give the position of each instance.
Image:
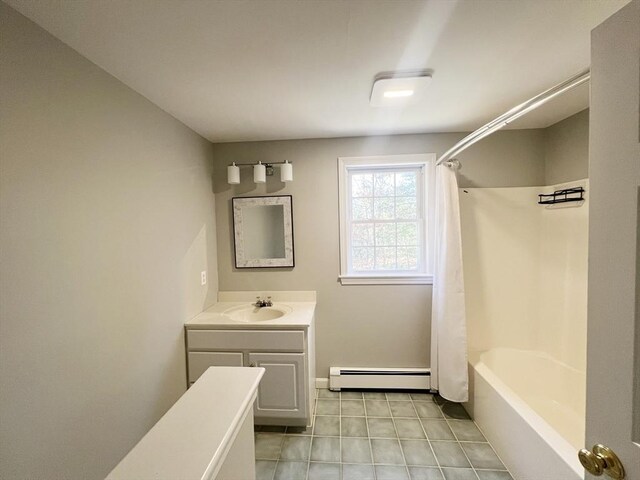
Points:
(531, 408)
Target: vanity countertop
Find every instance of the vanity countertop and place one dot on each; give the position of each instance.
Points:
(192, 439)
(302, 305)
(301, 316)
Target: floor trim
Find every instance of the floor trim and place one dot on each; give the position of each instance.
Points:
(322, 383)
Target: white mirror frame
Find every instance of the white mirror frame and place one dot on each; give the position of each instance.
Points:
(238, 203)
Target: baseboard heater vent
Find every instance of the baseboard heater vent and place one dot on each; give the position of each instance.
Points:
(383, 378)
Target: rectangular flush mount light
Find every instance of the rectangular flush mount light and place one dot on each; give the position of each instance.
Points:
(398, 91)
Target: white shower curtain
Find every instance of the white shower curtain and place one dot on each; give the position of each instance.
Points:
(449, 374)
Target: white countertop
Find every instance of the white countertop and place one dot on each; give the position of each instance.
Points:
(302, 305)
(191, 440)
(301, 316)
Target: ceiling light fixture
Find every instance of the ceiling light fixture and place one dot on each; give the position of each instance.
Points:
(398, 93)
(260, 171)
(398, 89)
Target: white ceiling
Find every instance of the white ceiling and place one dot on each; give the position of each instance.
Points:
(278, 69)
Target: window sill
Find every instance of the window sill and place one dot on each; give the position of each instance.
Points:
(421, 279)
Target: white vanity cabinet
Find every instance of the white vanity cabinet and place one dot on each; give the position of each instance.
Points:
(282, 391)
(286, 391)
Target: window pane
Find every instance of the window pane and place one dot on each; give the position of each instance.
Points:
(384, 209)
(361, 208)
(385, 234)
(385, 258)
(362, 235)
(362, 258)
(384, 184)
(362, 185)
(406, 208)
(407, 233)
(407, 258)
(406, 183)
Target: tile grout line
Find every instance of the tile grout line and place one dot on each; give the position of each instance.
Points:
(406, 467)
(313, 427)
(275, 470)
(494, 451)
(366, 422)
(456, 437)
(427, 437)
(340, 433)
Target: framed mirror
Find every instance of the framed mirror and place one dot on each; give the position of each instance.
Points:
(263, 231)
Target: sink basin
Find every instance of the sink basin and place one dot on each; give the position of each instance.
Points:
(251, 313)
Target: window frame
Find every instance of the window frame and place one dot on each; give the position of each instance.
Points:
(346, 166)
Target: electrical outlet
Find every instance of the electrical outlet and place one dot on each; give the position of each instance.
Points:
(203, 277)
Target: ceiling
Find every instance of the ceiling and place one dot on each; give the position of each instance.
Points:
(238, 70)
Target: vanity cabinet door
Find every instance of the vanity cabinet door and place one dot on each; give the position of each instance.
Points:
(281, 393)
(200, 361)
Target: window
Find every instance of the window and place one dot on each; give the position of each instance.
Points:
(386, 219)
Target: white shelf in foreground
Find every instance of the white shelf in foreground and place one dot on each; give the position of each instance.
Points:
(195, 437)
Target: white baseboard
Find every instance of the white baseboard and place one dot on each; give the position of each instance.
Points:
(322, 383)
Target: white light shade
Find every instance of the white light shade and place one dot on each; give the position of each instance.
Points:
(399, 91)
(286, 172)
(233, 174)
(259, 173)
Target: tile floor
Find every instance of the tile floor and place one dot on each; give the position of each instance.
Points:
(379, 436)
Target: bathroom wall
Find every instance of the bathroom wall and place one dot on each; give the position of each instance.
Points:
(356, 325)
(106, 220)
(526, 271)
(567, 149)
(501, 231)
(563, 280)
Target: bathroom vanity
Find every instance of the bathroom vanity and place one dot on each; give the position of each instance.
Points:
(278, 338)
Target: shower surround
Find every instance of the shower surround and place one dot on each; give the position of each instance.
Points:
(526, 284)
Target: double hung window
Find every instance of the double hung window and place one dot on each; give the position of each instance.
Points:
(385, 219)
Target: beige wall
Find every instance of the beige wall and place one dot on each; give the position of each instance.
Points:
(356, 325)
(567, 149)
(107, 219)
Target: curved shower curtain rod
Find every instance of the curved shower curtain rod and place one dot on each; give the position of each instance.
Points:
(513, 114)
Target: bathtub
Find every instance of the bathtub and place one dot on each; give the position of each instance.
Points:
(531, 407)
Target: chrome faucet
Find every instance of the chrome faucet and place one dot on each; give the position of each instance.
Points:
(263, 303)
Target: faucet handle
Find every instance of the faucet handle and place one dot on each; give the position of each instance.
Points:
(269, 302)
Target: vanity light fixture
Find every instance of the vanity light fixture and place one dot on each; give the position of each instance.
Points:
(398, 89)
(233, 174)
(286, 172)
(260, 171)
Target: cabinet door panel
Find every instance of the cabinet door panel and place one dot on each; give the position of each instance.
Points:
(282, 390)
(200, 361)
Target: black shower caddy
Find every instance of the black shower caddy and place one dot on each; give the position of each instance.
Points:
(575, 194)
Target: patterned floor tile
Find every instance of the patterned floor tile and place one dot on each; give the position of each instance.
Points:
(377, 435)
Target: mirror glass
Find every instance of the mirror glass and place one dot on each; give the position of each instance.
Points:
(263, 231)
(263, 228)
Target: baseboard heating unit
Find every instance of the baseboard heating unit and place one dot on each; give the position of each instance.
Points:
(383, 378)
